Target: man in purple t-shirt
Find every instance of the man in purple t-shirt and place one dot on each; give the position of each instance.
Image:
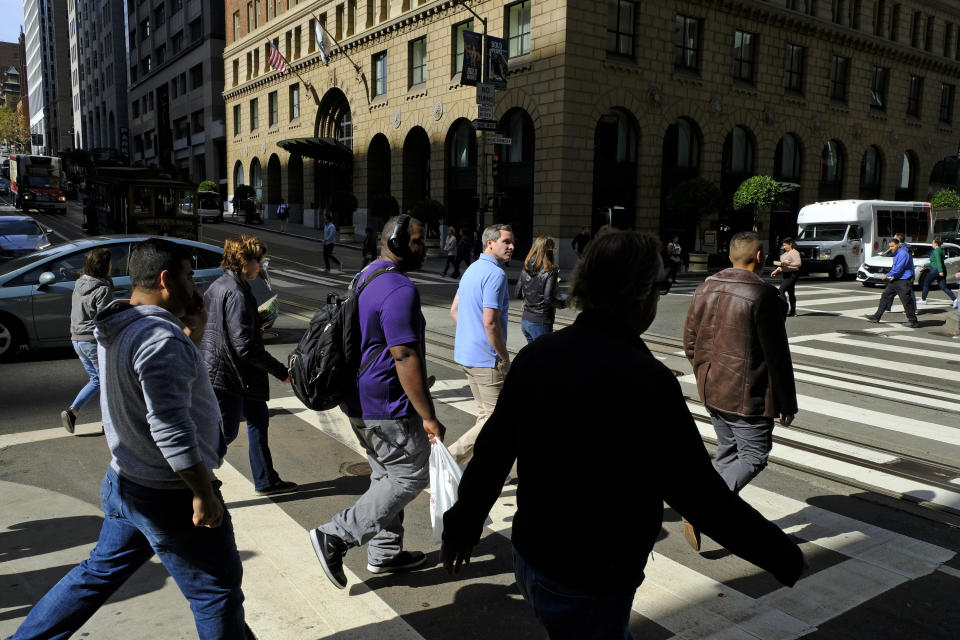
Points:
(390, 410)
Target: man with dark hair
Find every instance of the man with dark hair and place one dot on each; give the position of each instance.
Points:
(329, 242)
(617, 287)
(736, 340)
(480, 310)
(899, 283)
(162, 424)
(390, 409)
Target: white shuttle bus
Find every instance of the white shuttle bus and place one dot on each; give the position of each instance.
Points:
(836, 237)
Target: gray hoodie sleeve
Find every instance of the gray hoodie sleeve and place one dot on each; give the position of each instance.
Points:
(167, 381)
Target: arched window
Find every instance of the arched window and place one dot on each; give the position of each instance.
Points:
(907, 181)
(344, 129)
(256, 177)
(615, 144)
(463, 146)
(871, 169)
(738, 152)
(786, 163)
(831, 171)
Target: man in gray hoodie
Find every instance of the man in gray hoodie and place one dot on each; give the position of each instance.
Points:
(162, 424)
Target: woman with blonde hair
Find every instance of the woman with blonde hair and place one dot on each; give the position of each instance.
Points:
(538, 286)
(237, 361)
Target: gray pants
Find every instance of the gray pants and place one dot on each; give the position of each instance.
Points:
(399, 455)
(743, 445)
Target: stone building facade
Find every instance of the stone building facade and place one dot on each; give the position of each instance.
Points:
(609, 105)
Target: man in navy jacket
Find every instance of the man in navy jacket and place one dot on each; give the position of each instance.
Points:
(899, 283)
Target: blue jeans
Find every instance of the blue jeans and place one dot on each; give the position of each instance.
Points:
(87, 352)
(533, 330)
(928, 280)
(233, 409)
(743, 446)
(139, 522)
(568, 613)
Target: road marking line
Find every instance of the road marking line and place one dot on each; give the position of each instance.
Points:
(927, 354)
(939, 344)
(39, 435)
(955, 481)
(904, 390)
(803, 304)
(889, 365)
(277, 282)
(950, 571)
(299, 275)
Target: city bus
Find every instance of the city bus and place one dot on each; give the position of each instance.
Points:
(36, 183)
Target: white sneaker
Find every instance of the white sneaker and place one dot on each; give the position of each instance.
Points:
(921, 302)
(955, 302)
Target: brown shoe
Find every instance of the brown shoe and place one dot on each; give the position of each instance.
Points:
(691, 535)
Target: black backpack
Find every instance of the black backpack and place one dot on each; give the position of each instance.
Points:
(327, 358)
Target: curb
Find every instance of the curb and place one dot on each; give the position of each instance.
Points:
(287, 233)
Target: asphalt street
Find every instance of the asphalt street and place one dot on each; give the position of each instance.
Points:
(866, 480)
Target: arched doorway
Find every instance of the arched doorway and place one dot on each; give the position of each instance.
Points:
(831, 172)
(907, 181)
(334, 120)
(378, 179)
(871, 170)
(274, 187)
(416, 168)
(256, 178)
(461, 179)
(513, 178)
(680, 161)
(736, 166)
(615, 143)
(295, 187)
(787, 163)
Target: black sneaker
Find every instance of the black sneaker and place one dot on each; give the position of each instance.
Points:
(330, 551)
(873, 319)
(912, 325)
(280, 486)
(68, 420)
(403, 561)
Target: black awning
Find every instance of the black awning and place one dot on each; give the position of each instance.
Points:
(325, 149)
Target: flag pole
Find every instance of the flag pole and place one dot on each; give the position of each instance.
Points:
(356, 67)
(290, 66)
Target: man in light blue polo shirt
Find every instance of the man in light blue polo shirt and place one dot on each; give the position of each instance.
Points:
(480, 311)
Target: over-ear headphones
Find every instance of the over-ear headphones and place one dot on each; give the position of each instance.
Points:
(399, 240)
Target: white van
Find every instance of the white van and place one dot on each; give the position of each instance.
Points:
(836, 237)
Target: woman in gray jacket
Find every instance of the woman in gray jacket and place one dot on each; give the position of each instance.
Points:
(92, 292)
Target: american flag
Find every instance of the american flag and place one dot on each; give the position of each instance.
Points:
(276, 60)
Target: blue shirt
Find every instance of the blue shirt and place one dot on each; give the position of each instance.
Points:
(483, 286)
(330, 234)
(902, 268)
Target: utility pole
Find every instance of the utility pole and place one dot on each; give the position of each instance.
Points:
(482, 152)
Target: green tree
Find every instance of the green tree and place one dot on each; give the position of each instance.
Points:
(945, 199)
(207, 185)
(9, 126)
(758, 192)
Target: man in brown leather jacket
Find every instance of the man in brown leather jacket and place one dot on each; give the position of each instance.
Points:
(736, 340)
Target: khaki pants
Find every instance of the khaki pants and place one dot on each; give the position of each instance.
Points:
(485, 384)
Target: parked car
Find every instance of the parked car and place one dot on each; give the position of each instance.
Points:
(4, 186)
(210, 207)
(873, 268)
(21, 236)
(36, 290)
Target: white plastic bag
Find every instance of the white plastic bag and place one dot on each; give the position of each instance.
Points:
(444, 481)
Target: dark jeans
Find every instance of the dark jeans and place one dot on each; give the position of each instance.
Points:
(533, 330)
(451, 263)
(942, 280)
(328, 256)
(569, 613)
(903, 289)
(235, 408)
(743, 445)
(138, 522)
(787, 286)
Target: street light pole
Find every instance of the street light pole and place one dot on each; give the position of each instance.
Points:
(482, 155)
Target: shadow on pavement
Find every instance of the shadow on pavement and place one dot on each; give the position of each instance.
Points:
(38, 537)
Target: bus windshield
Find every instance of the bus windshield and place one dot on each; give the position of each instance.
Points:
(822, 232)
(39, 182)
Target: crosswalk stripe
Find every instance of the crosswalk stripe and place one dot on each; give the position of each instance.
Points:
(939, 344)
(898, 368)
(899, 350)
(307, 277)
(874, 390)
(812, 302)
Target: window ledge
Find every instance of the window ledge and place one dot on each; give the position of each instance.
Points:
(379, 103)
(417, 91)
(687, 75)
(744, 87)
(794, 97)
(945, 127)
(254, 135)
(621, 62)
(273, 129)
(520, 64)
(878, 113)
(837, 105)
(913, 121)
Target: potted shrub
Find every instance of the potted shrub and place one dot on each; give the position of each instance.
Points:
(691, 203)
(758, 193)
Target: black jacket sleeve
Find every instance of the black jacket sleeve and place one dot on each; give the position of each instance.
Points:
(243, 334)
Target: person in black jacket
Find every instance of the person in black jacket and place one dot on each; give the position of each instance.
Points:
(538, 286)
(237, 361)
(653, 454)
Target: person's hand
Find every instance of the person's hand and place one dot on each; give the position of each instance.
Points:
(435, 430)
(786, 419)
(286, 380)
(503, 366)
(207, 511)
(452, 556)
(883, 276)
(942, 274)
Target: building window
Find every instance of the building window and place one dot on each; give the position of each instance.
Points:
(946, 103)
(133, 73)
(621, 26)
(159, 15)
(236, 71)
(254, 115)
(895, 22)
(914, 96)
(744, 52)
(458, 30)
(854, 20)
(878, 17)
(256, 14)
(793, 68)
(686, 41)
(273, 109)
(947, 39)
(249, 65)
(250, 21)
(837, 13)
(145, 29)
(133, 38)
(839, 77)
(296, 42)
(344, 130)
(379, 73)
(518, 28)
(915, 29)
(878, 88)
(196, 121)
(161, 53)
(136, 108)
(256, 62)
(928, 38)
(180, 128)
(236, 26)
(196, 76)
(177, 41)
(196, 30)
(417, 56)
(236, 119)
(294, 106)
(175, 6)
(183, 83)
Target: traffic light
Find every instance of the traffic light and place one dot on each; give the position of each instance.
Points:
(496, 167)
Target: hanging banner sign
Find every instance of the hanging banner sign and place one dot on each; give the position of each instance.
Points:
(497, 67)
(472, 64)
